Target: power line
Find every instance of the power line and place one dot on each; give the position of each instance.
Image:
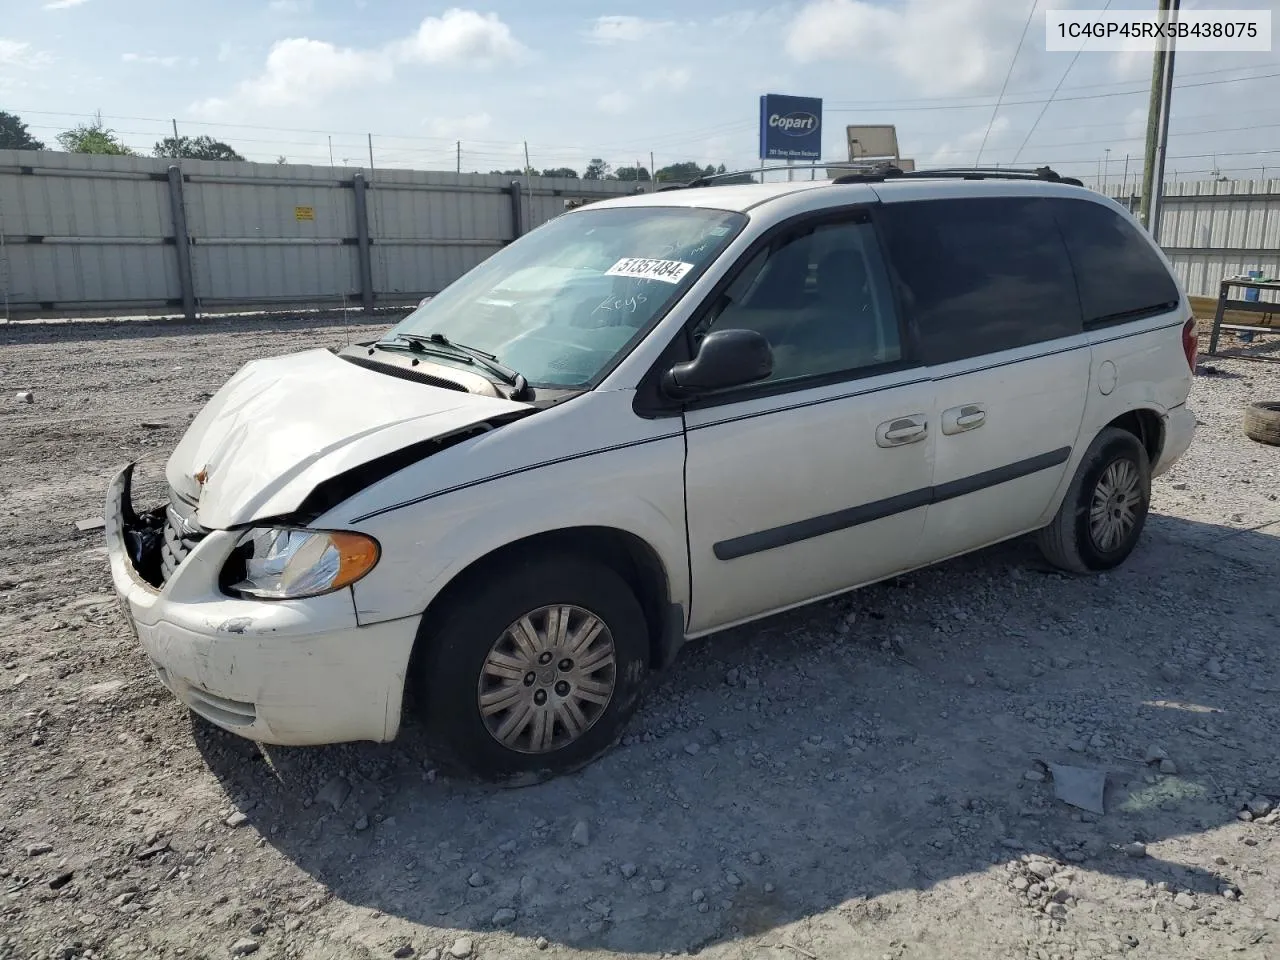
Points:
(1061, 80)
(950, 98)
(1017, 103)
(1004, 86)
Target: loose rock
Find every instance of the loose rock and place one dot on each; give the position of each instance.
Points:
(242, 948)
(581, 834)
(237, 819)
(461, 948)
(503, 917)
(334, 793)
(1185, 900)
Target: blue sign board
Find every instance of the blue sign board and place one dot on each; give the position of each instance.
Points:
(790, 127)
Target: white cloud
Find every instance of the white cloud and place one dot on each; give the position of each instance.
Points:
(964, 148)
(63, 4)
(943, 46)
(289, 6)
(1130, 64)
(669, 79)
(459, 128)
(151, 59)
(615, 102)
(17, 54)
(300, 70)
(624, 29)
(460, 36)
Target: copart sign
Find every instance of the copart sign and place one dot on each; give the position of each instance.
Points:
(790, 127)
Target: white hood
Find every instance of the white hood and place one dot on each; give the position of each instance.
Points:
(281, 426)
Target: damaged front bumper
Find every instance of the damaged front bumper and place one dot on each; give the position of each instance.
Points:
(287, 671)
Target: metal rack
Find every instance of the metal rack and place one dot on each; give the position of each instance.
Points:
(1267, 308)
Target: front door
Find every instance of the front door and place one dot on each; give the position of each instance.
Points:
(817, 479)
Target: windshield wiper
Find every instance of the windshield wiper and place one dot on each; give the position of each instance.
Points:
(421, 343)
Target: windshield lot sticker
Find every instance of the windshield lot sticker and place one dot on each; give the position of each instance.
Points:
(668, 271)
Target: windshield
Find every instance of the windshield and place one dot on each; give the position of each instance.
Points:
(562, 302)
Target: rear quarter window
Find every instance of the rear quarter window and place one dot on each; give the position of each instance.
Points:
(1119, 275)
(981, 274)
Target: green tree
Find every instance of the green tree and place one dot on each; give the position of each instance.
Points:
(597, 169)
(94, 138)
(195, 148)
(631, 173)
(689, 170)
(682, 172)
(561, 172)
(14, 136)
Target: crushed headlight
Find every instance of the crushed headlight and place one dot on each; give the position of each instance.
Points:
(275, 563)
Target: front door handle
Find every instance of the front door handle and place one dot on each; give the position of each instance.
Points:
(959, 419)
(902, 430)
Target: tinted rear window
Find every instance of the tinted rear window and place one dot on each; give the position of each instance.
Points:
(981, 274)
(1119, 275)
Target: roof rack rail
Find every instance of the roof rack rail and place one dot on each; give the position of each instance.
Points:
(875, 171)
(963, 173)
(711, 178)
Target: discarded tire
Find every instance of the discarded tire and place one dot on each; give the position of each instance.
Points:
(1262, 422)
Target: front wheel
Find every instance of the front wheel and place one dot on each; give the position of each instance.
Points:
(533, 672)
(1105, 508)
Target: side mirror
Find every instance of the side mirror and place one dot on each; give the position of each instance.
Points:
(726, 358)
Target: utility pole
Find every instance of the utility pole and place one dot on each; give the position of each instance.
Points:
(177, 144)
(459, 156)
(370, 136)
(331, 150)
(653, 171)
(1124, 180)
(1106, 167)
(1162, 144)
(1153, 122)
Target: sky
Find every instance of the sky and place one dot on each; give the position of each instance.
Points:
(576, 79)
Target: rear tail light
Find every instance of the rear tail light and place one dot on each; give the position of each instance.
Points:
(1191, 342)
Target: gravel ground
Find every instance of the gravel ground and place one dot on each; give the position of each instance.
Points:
(859, 779)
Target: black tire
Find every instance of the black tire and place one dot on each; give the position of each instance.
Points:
(1262, 422)
(1069, 542)
(458, 641)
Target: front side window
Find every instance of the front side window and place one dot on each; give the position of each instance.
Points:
(1120, 276)
(561, 303)
(820, 297)
(981, 274)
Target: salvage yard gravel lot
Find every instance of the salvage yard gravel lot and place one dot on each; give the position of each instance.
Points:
(858, 779)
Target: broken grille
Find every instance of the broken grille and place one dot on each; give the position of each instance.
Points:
(181, 533)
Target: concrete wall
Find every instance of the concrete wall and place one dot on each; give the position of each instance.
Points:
(86, 234)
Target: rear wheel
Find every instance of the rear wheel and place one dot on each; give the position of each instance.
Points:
(533, 672)
(1105, 509)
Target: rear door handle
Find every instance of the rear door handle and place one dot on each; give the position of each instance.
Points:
(902, 430)
(959, 419)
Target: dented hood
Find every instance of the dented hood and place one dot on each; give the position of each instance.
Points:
(282, 425)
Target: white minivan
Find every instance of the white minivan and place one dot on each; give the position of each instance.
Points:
(650, 419)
